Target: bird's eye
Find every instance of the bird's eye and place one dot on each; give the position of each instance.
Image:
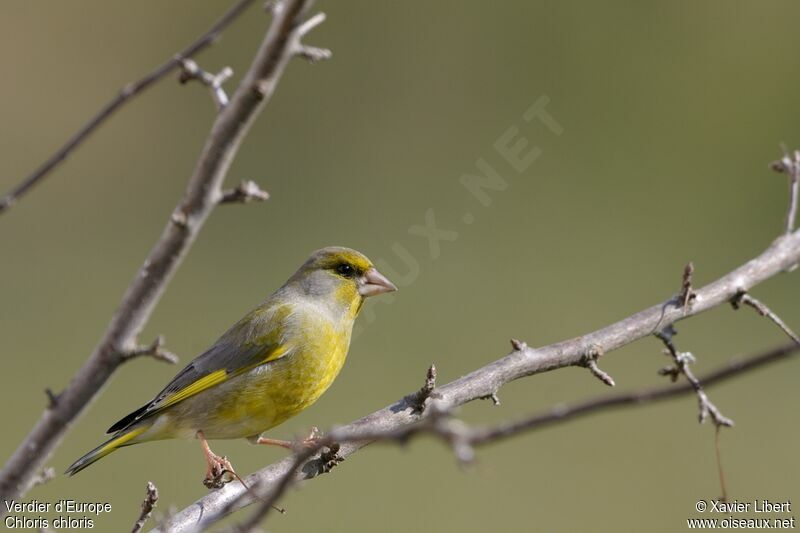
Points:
(346, 270)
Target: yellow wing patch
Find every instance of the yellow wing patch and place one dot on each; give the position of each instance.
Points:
(209, 380)
(217, 377)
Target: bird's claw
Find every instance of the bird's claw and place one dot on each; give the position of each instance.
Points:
(313, 436)
(220, 471)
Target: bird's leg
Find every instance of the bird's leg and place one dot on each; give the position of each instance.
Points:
(307, 442)
(220, 470)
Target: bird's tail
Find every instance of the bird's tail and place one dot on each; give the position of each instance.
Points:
(122, 438)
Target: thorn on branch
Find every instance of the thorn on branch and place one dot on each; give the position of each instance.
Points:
(48, 474)
(518, 345)
(247, 191)
(52, 398)
(493, 396)
(789, 164)
(687, 294)
(589, 361)
(417, 399)
(191, 71)
(682, 361)
(743, 298)
(155, 350)
(149, 503)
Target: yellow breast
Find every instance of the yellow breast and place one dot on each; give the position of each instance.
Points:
(257, 400)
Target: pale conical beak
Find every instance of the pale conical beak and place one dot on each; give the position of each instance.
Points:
(373, 282)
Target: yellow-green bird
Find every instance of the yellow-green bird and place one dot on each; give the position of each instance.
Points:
(269, 366)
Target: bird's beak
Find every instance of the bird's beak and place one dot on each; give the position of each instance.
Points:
(373, 282)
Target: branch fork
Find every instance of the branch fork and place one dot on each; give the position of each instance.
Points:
(743, 298)
(155, 350)
(789, 164)
(682, 361)
(191, 71)
(589, 361)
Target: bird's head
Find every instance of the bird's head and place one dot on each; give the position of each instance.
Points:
(342, 277)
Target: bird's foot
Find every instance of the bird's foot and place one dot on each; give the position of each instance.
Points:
(311, 439)
(219, 472)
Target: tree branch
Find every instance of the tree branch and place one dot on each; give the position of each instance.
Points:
(763, 310)
(790, 165)
(202, 195)
(125, 95)
(463, 438)
(148, 504)
(682, 360)
(191, 71)
(486, 381)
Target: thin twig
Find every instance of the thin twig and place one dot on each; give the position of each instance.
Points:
(744, 298)
(682, 360)
(790, 165)
(590, 361)
(149, 503)
(417, 399)
(125, 95)
(202, 196)
(687, 294)
(191, 71)
(463, 438)
(351, 438)
(247, 191)
(155, 350)
(720, 471)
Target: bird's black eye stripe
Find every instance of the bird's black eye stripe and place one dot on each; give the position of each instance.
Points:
(346, 270)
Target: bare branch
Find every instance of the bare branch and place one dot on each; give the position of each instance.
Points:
(463, 438)
(590, 361)
(314, 54)
(202, 195)
(521, 362)
(149, 503)
(763, 310)
(682, 360)
(417, 399)
(790, 165)
(687, 294)
(191, 71)
(125, 95)
(156, 350)
(247, 191)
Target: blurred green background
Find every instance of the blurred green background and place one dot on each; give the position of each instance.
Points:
(671, 113)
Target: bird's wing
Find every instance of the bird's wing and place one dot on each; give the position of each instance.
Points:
(234, 353)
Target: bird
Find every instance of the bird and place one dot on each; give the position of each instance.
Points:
(269, 366)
